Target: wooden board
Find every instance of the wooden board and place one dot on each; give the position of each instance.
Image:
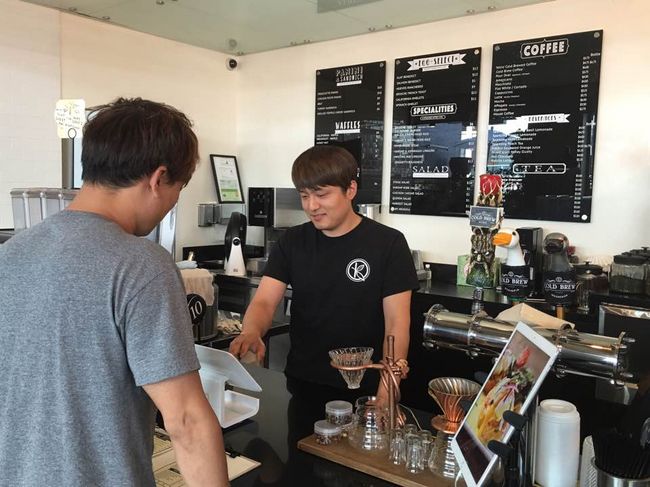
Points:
(375, 463)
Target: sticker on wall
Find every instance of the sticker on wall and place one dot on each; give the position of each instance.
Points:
(70, 117)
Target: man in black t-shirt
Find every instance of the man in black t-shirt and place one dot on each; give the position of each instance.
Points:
(351, 277)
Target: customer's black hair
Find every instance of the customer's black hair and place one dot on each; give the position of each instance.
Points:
(324, 165)
(129, 138)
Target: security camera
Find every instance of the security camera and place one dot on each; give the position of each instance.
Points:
(231, 64)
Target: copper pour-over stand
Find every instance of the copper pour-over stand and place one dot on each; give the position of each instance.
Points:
(390, 371)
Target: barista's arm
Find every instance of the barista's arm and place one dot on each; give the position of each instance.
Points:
(194, 429)
(258, 318)
(397, 319)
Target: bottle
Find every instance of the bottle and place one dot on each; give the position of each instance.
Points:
(557, 453)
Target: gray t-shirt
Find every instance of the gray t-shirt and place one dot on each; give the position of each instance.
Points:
(88, 314)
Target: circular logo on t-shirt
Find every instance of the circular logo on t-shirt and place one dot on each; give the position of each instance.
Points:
(197, 307)
(358, 270)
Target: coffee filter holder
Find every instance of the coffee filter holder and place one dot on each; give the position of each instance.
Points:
(219, 367)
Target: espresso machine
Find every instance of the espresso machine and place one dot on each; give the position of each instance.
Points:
(274, 209)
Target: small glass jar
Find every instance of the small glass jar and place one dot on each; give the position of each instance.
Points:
(326, 432)
(628, 274)
(338, 412)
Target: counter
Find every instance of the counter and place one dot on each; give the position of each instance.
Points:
(271, 436)
(426, 364)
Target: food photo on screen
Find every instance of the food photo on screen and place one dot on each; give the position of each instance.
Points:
(507, 388)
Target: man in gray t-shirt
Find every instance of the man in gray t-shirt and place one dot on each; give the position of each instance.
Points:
(94, 327)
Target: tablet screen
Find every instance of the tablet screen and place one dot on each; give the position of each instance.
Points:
(511, 385)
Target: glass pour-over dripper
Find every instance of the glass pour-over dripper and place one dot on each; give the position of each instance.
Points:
(351, 357)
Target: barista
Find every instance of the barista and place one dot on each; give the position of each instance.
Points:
(351, 278)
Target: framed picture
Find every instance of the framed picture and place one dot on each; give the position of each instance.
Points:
(226, 179)
(511, 386)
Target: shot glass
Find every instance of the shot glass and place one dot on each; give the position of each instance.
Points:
(426, 439)
(397, 447)
(414, 454)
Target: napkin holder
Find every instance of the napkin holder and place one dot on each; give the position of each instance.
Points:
(218, 368)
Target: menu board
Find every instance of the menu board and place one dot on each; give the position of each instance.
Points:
(542, 130)
(435, 107)
(350, 114)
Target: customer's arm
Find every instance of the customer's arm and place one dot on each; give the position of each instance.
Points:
(258, 317)
(397, 319)
(194, 429)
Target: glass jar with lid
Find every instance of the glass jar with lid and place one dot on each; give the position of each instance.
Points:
(589, 278)
(628, 274)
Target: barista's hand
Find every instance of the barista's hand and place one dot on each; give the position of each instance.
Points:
(246, 342)
(382, 396)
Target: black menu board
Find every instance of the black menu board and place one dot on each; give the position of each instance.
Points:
(542, 131)
(350, 114)
(435, 107)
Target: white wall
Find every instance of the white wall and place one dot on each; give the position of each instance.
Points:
(30, 84)
(276, 113)
(100, 62)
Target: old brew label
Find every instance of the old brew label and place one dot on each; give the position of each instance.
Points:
(559, 287)
(515, 281)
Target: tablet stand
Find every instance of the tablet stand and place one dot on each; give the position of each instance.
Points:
(513, 458)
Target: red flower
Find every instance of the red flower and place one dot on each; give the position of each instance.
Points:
(490, 183)
(523, 358)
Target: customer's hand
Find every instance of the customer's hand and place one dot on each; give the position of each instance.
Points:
(248, 342)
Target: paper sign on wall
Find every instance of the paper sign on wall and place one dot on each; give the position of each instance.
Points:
(70, 116)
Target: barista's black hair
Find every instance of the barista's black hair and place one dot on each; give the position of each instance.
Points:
(129, 138)
(324, 165)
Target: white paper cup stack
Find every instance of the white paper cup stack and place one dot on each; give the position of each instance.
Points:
(557, 454)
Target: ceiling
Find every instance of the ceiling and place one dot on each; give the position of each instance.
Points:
(240, 27)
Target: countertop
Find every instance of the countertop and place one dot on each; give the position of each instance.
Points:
(270, 437)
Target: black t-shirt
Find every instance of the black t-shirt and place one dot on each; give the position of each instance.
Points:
(338, 285)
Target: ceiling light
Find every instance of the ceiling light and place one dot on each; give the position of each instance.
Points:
(160, 2)
(371, 29)
(471, 11)
(389, 26)
(491, 7)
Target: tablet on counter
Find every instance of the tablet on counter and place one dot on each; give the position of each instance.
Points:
(512, 385)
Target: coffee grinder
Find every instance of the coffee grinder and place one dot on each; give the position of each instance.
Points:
(234, 243)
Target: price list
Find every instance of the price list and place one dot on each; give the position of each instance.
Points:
(543, 115)
(434, 133)
(350, 114)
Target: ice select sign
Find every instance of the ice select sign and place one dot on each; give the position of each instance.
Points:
(556, 47)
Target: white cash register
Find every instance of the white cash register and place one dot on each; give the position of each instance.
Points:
(217, 368)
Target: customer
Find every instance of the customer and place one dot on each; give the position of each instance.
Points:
(351, 277)
(94, 328)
